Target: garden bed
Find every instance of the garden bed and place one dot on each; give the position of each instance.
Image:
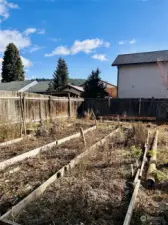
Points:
(14, 186)
(43, 138)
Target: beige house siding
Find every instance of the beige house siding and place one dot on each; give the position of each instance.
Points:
(141, 81)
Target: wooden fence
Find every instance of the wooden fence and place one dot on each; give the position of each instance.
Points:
(25, 107)
(130, 107)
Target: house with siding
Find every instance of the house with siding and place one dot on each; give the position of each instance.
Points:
(140, 75)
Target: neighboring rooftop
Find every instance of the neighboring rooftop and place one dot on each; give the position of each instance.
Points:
(139, 58)
(79, 88)
(14, 85)
(40, 87)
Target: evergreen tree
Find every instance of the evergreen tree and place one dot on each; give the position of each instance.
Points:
(60, 76)
(12, 67)
(94, 87)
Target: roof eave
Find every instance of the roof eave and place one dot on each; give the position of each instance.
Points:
(126, 64)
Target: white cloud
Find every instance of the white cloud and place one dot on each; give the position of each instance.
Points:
(133, 41)
(55, 39)
(35, 48)
(61, 50)
(41, 31)
(107, 44)
(121, 42)
(14, 36)
(29, 31)
(143, 0)
(5, 6)
(87, 46)
(1, 60)
(26, 62)
(100, 57)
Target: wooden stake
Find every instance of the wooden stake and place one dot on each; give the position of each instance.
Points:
(83, 136)
(132, 170)
(137, 163)
(144, 156)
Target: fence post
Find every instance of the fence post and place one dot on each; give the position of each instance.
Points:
(41, 119)
(21, 114)
(139, 106)
(69, 105)
(49, 106)
(24, 114)
(22, 109)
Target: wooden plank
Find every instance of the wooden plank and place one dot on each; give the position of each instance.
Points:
(7, 222)
(144, 156)
(136, 183)
(4, 144)
(7, 97)
(40, 190)
(136, 177)
(34, 152)
(83, 136)
(74, 135)
(132, 204)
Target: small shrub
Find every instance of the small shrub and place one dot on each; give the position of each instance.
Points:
(150, 153)
(9, 132)
(136, 152)
(89, 115)
(137, 135)
(160, 176)
(162, 140)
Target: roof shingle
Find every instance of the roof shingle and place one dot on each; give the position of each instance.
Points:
(14, 85)
(139, 58)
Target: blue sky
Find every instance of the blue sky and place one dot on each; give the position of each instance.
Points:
(86, 33)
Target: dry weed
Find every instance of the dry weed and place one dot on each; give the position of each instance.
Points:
(9, 132)
(137, 135)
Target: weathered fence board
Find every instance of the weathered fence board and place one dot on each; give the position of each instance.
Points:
(16, 107)
(129, 107)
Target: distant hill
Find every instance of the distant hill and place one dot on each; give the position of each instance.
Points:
(72, 81)
(77, 82)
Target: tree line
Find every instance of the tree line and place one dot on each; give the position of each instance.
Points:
(13, 70)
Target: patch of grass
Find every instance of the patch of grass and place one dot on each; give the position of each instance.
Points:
(150, 153)
(9, 132)
(160, 176)
(136, 152)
